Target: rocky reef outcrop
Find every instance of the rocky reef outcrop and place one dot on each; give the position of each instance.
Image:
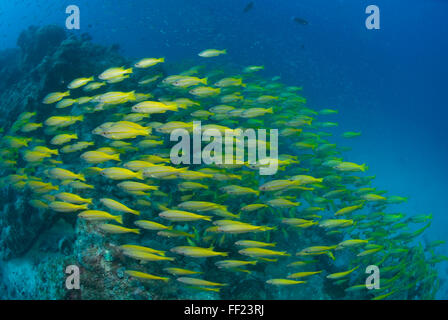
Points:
(46, 59)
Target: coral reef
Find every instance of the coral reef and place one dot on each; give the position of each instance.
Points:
(47, 58)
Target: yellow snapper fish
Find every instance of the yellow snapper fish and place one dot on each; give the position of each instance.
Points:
(185, 82)
(144, 276)
(63, 138)
(173, 125)
(93, 86)
(282, 203)
(55, 97)
(348, 210)
(203, 92)
(315, 250)
(149, 79)
(276, 185)
(335, 223)
(160, 171)
(117, 206)
(118, 79)
(254, 244)
(149, 107)
(80, 185)
(350, 166)
(371, 197)
(78, 146)
(63, 174)
(255, 112)
(262, 252)
(148, 62)
(230, 82)
(72, 198)
(230, 264)
(250, 69)
(60, 206)
(35, 156)
(121, 130)
(253, 207)
(303, 179)
(137, 165)
(41, 187)
(135, 186)
(97, 215)
(114, 73)
(199, 206)
(178, 215)
(238, 190)
(191, 185)
(133, 247)
(231, 226)
(63, 121)
(38, 204)
(197, 252)
(79, 82)
(339, 275)
(151, 225)
(99, 157)
(116, 97)
(180, 271)
(351, 243)
(46, 150)
(116, 173)
(283, 282)
(303, 274)
(209, 53)
(144, 256)
(30, 127)
(114, 229)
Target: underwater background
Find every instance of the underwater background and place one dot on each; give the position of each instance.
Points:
(389, 84)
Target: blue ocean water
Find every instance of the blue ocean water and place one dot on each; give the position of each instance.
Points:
(388, 83)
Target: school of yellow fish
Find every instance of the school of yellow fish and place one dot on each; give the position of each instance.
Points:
(98, 136)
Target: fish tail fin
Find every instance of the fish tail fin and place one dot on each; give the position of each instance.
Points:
(169, 228)
(116, 157)
(132, 93)
(92, 78)
(81, 177)
(204, 80)
(67, 93)
(129, 70)
(253, 262)
(165, 279)
(270, 110)
(331, 255)
(136, 231)
(119, 219)
(89, 201)
(207, 218)
(162, 59)
(85, 206)
(224, 254)
(139, 175)
(136, 212)
(364, 167)
(224, 51)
